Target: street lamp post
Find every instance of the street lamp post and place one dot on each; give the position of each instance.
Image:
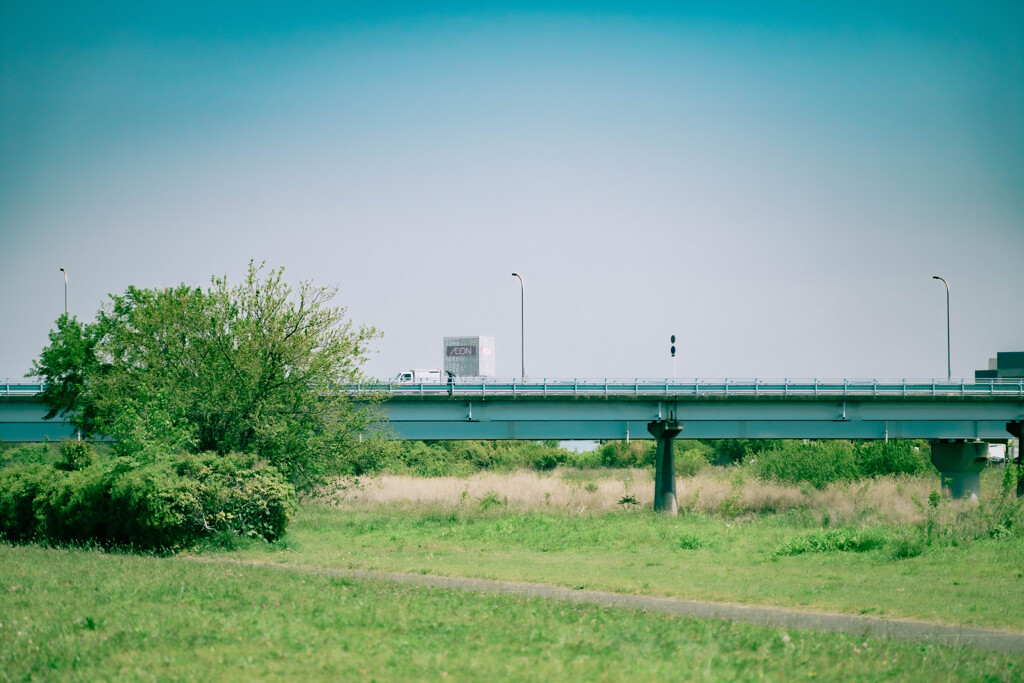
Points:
(949, 365)
(65, 290)
(522, 322)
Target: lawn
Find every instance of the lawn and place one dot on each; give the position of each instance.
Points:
(877, 548)
(85, 615)
(693, 556)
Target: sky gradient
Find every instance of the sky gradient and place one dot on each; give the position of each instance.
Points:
(774, 184)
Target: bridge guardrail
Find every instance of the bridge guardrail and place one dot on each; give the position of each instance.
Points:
(20, 387)
(696, 388)
(645, 388)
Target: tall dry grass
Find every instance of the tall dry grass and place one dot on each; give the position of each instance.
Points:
(719, 491)
(525, 489)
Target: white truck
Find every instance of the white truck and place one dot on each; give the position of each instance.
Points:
(419, 376)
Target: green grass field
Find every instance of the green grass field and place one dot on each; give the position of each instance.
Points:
(692, 557)
(83, 615)
(72, 614)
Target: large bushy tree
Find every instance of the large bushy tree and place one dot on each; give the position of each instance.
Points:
(252, 368)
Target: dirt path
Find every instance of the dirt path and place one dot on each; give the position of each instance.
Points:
(776, 617)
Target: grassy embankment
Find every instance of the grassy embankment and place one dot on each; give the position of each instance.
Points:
(897, 555)
(85, 615)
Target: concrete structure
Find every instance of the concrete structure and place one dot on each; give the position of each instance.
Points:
(469, 356)
(960, 463)
(707, 409)
(665, 431)
(21, 414)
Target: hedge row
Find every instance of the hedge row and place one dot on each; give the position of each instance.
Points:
(462, 458)
(816, 463)
(824, 462)
(171, 503)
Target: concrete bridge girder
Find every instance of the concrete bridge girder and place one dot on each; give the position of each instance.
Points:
(618, 418)
(592, 410)
(708, 429)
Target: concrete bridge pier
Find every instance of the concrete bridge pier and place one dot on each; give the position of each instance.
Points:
(960, 464)
(665, 466)
(1016, 428)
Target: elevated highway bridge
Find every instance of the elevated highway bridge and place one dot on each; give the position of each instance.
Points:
(959, 417)
(705, 409)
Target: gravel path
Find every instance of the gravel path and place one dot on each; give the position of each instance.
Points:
(777, 617)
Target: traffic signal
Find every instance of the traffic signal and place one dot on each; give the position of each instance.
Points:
(673, 347)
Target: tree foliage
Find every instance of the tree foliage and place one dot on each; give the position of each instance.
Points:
(67, 365)
(253, 368)
(169, 503)
(824, 462)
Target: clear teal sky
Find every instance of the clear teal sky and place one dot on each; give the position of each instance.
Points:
(775, 183)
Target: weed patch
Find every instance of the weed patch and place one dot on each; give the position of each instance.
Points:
(694, 541)
(834, 540)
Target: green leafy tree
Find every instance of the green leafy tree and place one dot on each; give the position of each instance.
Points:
(254, 368)
(68, 364)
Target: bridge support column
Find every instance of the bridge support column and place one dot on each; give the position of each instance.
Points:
(1016, 428)
(959, 464)
(665, 466)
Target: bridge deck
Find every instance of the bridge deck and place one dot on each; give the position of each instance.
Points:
(707, 409)
(619, 409)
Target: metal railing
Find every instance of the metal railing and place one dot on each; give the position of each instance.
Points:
(20, 387)
(697, 388)
(643, 388)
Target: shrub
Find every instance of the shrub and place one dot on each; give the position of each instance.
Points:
(834, 540)
(19, 487)
(584, 460)
(690, 462)
(692, 541)
(165, 504)
(510, 456)
(545, 462)
(491, 500)
(76, 455)
(477, 454)
(75, 506)
(26, 454)
(823, 462)
(462, 458)
(816, 464)
(878, 459)
(633, 454)
(726, 451)
(242, 495)
(905, 545)
(957, 523)
(423, 459)
(154, 507)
